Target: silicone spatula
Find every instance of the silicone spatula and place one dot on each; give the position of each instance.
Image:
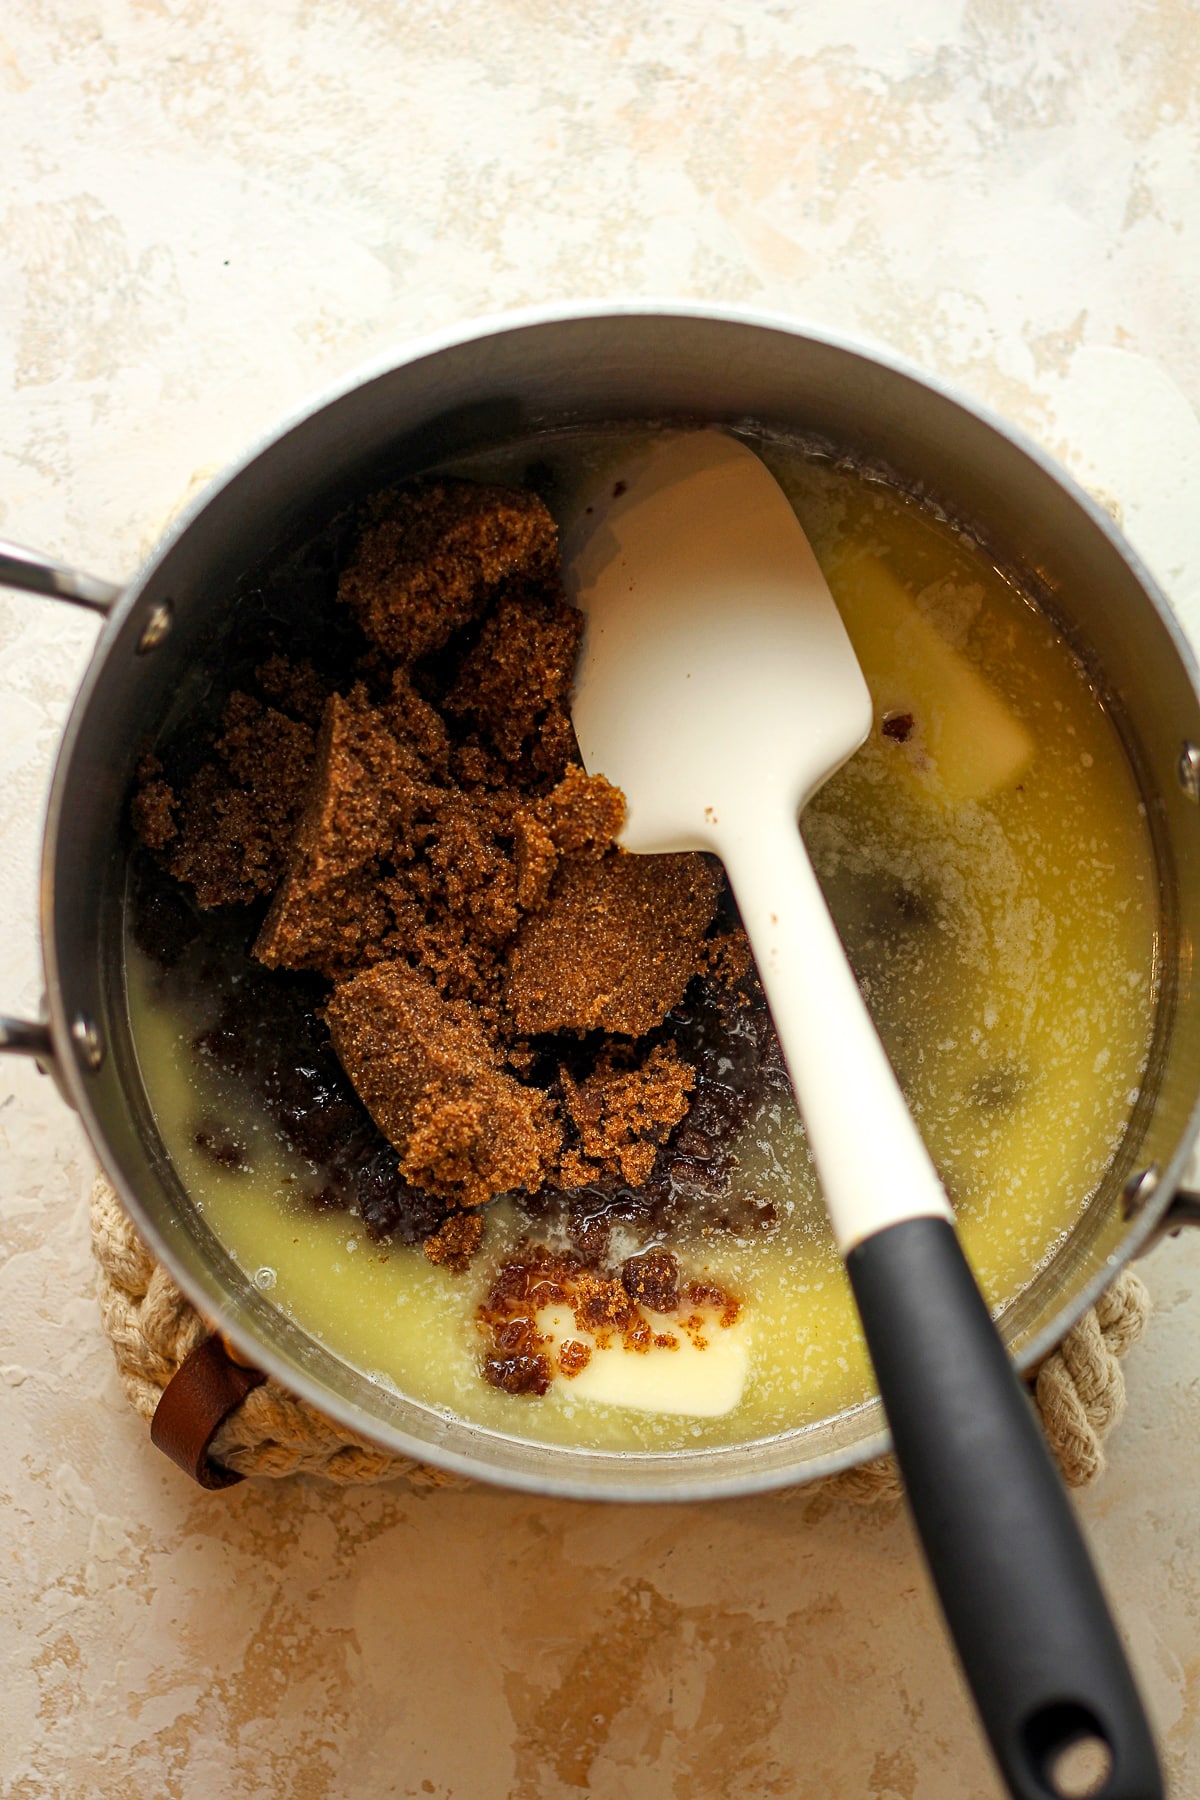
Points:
(718, 688)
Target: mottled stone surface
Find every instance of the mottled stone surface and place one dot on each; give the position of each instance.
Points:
(210, 209)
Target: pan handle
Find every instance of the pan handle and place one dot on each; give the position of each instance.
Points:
(22, 568)
(25, 1037)
(1025, 1608)
(37, 574)
(29, 1037)
(1183, 1210)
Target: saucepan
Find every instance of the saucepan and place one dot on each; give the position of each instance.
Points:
(478, 387)
(473, 390)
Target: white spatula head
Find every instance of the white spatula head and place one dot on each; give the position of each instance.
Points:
(718, 688)
(716, 681)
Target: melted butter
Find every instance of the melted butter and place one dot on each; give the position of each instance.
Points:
(993, 882)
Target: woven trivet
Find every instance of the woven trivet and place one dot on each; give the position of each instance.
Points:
(1079, 1391)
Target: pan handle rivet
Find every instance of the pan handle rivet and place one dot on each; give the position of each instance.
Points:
(156, 628)
(1189, 771)
(88, 1040)
(1138, 1190)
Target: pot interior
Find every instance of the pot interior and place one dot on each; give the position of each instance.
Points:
(465, 398)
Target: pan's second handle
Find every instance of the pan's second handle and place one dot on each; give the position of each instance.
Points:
(1021, 1598)
(34, 573)
(38, 574)
(26, 1037)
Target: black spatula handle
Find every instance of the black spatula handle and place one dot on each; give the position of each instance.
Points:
(1017, 1586)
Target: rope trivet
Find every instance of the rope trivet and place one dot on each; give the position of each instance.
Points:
(1080, 1388)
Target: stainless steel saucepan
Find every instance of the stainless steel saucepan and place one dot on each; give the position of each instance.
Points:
(482, 386)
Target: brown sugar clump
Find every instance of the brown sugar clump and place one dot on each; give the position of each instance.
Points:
(602, 1306)
(453, 890)
(623, 1115)
(615, 945)
(295, 688)
(153, 806)
(431, 558)
(266, 751)
(426, 1071)
(728, 957)
(519, 1374)
(573, 1358)
(520, 668)
(329, 908)
(235, 819)
(455, 1241)
(555, 748)
(583, 814)
(154, 815)
(475, 877)
(607, 1306)
(419, 726)
(652, 1279)
(536, 860)
(444, 946)
(472, 763)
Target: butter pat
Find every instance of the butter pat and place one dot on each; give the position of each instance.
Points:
(969, 745)
(692, 1382)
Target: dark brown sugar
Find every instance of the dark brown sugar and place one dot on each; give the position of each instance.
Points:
(622, 1115)
(609, 1306)
(455, 1241)
(536, 856)
(898, 727)
(153, 806)
(430, 559)
(295, 688)
(728, 957)
(428, 1075)
(234, 820)
(451, 888)
(418, 726)
(583, 814)
(652, 1279)
(615, 945)
(515, 1374)
(475, 966)
(520, 668)
(328, 911)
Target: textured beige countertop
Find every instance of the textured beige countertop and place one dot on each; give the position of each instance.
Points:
(208, 210)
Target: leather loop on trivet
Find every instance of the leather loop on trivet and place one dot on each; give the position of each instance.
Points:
(206, 1387)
